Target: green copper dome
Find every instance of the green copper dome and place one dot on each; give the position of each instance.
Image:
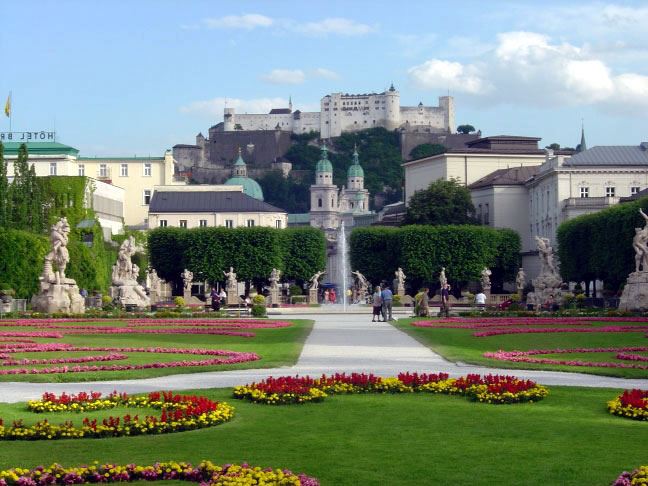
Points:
(355, 169)
(324, 164)
(250, 186)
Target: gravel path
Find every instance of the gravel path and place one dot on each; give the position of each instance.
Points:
(348, 342)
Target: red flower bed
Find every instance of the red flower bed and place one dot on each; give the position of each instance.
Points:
(525, 357)
(630, 404)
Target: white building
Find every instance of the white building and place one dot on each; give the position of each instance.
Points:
(478, 159)
(136, 176)
(194, 206)
(340, 113)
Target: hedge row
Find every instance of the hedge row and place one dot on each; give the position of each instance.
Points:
(422, 250)
(599, 245)
(253, 252)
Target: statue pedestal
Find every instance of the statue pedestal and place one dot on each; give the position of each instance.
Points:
(273, 297)
(232, 297)
(312, 296)
(186, 295)
(129, 293)
(400, 291)
(63, 297)
(545, 286)
(635, 293)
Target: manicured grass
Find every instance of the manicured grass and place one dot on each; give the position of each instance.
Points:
(568, 439)
(460, 345)
(277, 347)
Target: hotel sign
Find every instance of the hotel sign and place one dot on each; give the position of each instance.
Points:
(41, 136)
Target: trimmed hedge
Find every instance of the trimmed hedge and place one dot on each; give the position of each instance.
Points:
(422, 250)
(21, 260)
(599, 245)
(253, 252)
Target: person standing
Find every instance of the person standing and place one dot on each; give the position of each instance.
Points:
(480, 300)
(215, 299)
(332, 296)
(424, 303)
(445, 300)
(387, 298)
(377, 304)
(326, 296)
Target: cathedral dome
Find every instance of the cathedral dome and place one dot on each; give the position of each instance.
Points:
(250, 186)
(324, 164)
(355, 170)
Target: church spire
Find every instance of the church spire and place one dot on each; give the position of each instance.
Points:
(290, 103)
(582, 146)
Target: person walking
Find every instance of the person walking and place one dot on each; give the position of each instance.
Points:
(480, 300)
(215, 299)
(387, 298)
(377, 304)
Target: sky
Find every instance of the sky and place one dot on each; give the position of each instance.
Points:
(130, 78)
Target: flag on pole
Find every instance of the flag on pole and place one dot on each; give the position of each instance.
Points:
(8, 106)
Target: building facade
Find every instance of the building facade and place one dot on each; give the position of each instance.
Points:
(196, 206)
(340, 113)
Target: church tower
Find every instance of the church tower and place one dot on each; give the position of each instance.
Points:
(356, 197)
(324, 195)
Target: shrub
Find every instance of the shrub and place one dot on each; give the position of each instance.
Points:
(259, 300)
(179, 302)
(295, 290)
(259, 310)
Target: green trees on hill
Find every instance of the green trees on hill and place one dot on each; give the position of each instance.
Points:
(427, 150)
(287, 193)
(443, 202)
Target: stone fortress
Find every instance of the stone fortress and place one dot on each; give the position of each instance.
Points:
(265, 138)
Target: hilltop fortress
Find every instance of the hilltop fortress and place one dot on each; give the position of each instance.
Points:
(340, 113)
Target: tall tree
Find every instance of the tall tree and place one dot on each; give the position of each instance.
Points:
(19, 191)
(35, 202)
(443, 202)
(4, 191)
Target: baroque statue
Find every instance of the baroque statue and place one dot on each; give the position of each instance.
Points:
(275, 275)
(231, 278)
(314, 280)
(520, 280)
(635, 293)
(442, 278)
(485, 278)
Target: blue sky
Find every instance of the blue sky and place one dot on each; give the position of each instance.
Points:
(137, 77)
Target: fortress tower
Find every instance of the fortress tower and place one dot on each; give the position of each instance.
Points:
(392, 108)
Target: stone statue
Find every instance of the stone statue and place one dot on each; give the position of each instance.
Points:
(155, 284)
(635, 293)
(231, 278)
(547, 287)
(520, 280)
(314, 280)
(125, 290)
(485, 278)
(187, 279)
(546, 255)
(361, 286)
(58, 293)
(442, 278)
(400, 276)
(275, 275)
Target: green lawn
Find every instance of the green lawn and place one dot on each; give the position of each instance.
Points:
(568, 439)
(277, 347)
(460, 345)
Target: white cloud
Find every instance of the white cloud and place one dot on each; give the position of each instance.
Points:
(324, 73)
(246, 22)
(439, 74)
(334, 25)
(214, 107)
(528, 68)
(284, 76)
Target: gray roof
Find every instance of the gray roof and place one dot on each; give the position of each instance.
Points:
(506, 177)
(207, 202)
(612, 155)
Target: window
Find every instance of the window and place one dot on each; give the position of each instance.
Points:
(609, 191)
(584, 192)
(103, 170)
(147, 197)
(250, 223)
(634, 190)
(163, 223)
(82, 170)
(319, 202)
(52, 168)
(203, 223)
(147, 170)
(124, 170)
(278, 224)
(229, 223)
(486, 214)
(183, 223)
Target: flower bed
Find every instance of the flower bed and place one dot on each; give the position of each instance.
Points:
(179, 413)
(302, 389)
(638, 476)
(222, 357)
(205, 473)
(525, 357)
(631, 404)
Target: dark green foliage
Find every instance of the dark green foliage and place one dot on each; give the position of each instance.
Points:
(465, 129)
(304, 253)
(287, 193)
(19, 193)
(427, 150)
(303, 156)
(599, 245)
(375, 251)
(4, 191)
(422, 250)
(443, 202)
(253, 252)
(21, 260)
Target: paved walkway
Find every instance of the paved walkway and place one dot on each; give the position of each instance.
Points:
(337, 343)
